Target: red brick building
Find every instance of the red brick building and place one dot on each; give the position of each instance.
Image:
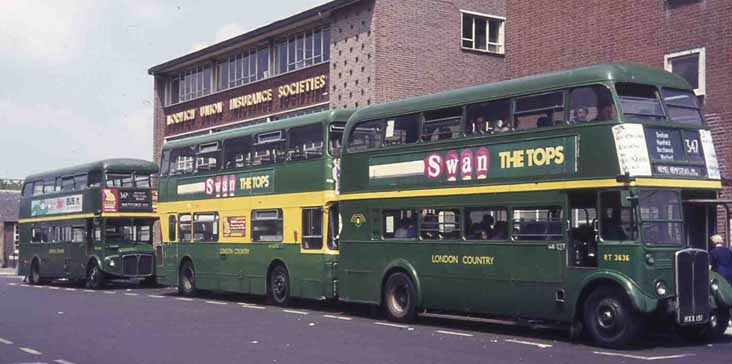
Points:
(342, 54)
(688, 37)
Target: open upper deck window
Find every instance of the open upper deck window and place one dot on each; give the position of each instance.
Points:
(181, 161)
(591, 103)
(269, 148)
(366, 136)
(442, 124)
(539, 111)
(401, 130)
(238, 152)
(335, 138)
(305, 142)
(487, 118)
(208, 157)
(639, 102)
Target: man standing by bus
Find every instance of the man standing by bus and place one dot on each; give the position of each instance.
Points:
(721, 258)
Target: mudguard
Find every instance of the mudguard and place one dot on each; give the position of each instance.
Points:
(641, 301)
(406, 266)
(723, 295)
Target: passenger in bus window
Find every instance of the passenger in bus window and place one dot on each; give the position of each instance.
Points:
(580, 115)
(480, 127)
(606, 112)
(500, 126)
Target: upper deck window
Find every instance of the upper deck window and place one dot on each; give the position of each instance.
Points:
(27, 189)
(639, 102)
(539, 111)
(366, 136)
(682, 106)
(269, 148)
(488, 118)
(237, 152)
(591, 103)
(483, 32)
(305, 142)
(119, 180)
(181, 161)
(335, 138)
(442, 124)
(208, 157)
(401, 130)
(67, 184)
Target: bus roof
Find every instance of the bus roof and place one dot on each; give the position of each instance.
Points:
(116, 165)
(615, 72)
(323, 116)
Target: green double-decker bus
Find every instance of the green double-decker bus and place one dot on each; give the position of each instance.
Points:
(578, 197)
(89, 223)
(251, 210)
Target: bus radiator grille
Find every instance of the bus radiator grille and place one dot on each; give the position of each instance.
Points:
(692, 286)
(137, 265)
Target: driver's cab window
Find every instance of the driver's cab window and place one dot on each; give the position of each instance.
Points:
(582, 229)
(616, 217)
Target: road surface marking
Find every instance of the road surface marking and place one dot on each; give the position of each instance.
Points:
(639, 357)
(454, 333)
(52, 287)
(69, 289)
(90, 291)
(110, 292)
(12, 284)
(184, 299)
(216, 302)
(391, 325)
(338, 317)
(6, 342)
(155, 296)
(61, 361)
(37, 286)
(539, 345)
(295, 312)
(131, 294)
(248, 305)
(31, 351)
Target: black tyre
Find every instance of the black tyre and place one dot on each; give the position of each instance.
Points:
(610, 319)
(278, 289)
(34, 277)
(400, 298)
(187, 280)
(713, 330)
(95, 278)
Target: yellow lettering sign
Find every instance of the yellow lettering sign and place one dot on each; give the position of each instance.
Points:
(252, 99)
(255, 182)
(307, 85)
(211, 109)
(535, 157)
(180, 117)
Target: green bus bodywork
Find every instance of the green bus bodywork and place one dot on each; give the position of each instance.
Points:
(72, 222)
(237, 262)
(572, 167)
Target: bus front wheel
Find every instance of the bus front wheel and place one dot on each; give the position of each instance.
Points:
(610, 319)
(34, 277)
(400, 298)
(279, 286)
(94, 276)
(187, 280)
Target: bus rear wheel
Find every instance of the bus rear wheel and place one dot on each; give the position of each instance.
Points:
(279, 286)
(610, 319)
(95, 277)
(34, 277)
(713, 330)
(400, 298)
(187, 280)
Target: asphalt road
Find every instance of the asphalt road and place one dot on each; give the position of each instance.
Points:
(127, 324)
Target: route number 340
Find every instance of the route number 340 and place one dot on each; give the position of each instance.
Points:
(616, 257)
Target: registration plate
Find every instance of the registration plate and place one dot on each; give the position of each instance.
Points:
(693, 319)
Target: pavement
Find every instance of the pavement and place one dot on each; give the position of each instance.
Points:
(65, 324)
(8, 272)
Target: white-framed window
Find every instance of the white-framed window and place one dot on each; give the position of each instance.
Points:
(482, 32)
(302, 49)
(247, 66)
(691, 65)
(190, 84)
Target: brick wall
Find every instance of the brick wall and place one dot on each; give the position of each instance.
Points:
(418, 48)
(543, 36)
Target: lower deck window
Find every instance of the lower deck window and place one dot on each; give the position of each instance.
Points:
(486, 224)
(312, 228)
(185, 230)
(206, 227)
(267, 225)
(537, 223)
(439, 224)
(399, 224)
